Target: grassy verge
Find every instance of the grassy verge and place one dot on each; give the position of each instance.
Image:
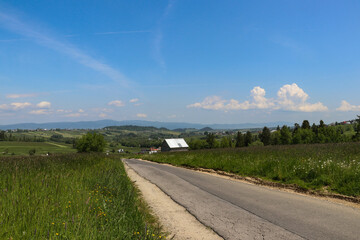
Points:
(330, 167)
(71, 196)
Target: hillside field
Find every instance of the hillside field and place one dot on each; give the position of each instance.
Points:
(23, 148)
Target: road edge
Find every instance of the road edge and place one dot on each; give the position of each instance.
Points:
(173, 217)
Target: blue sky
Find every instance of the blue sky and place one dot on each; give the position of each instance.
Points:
(179, 60)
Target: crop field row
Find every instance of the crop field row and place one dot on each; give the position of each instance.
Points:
(73, 196)
(324, 167)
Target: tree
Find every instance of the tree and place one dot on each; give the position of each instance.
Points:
(224, 142)
(285, 135)
(322, 124)
(275, 138)
(2, 136)
(265, 136)
(356, 137)
(305, 124)
(248, 138)
(240, 141)
(296, 127)
(210, 139)
(91, 142)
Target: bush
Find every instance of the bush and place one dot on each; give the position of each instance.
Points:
(256, 143)
(91, 142)
(32, 151)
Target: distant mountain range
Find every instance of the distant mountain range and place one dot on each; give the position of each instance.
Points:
(106, 123)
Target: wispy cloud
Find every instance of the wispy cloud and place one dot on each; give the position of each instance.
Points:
(289, 98)
(12, 40)
(116, 103)
(158, 39)
(122, 32)
(134, 100)
(141, 115)
(40, 112)
(26, 95)
(16, 25)
(20, 105)
(79, 113)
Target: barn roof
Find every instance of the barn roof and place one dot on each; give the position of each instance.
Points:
(176, 143)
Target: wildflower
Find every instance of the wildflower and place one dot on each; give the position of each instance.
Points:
(57, 234)
(52, 223)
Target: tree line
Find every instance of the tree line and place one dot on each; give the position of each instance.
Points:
(299, 134)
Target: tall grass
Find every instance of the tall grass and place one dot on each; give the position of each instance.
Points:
(335, 167)
(70, 197)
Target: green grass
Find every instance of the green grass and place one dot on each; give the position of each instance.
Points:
(335, 167)
(22, 148)
(73, 196)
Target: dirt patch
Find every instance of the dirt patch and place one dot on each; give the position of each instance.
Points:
(333, 197)
(173, 217)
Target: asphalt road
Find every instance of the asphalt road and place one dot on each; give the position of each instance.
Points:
(237, 210)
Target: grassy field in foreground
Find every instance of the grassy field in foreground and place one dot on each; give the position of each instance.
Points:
(334, 167)
(23, 148)
(73, 196)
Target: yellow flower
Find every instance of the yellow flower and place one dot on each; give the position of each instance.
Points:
(52, 223)
(57, 234)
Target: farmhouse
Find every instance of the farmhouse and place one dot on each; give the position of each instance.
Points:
(174, 145)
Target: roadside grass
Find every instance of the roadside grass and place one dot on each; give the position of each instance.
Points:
(325, 167)
(23, 148)
(72, 196)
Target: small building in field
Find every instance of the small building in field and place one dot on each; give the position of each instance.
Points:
(174, 145)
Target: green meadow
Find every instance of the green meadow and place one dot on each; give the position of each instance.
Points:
(71, 196)
(324, 167)
(23, 148)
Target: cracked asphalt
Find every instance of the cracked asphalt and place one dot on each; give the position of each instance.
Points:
(237, 210)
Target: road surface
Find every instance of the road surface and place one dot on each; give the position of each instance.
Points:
(238, 210)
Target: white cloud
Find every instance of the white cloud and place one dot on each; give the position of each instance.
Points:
(260, 101)
(211, 102)
(141, 115)
(4, 107)
(43, 104)
(134, 100)
(63, 111)
(293, 98)
(217, 103)
(18, 105)
(21, 95)
(103, 115)
(40, 112)
(116, 103)
(347, 107)
(172, 116)
(81, 110)
(290, 98)
(73, 115)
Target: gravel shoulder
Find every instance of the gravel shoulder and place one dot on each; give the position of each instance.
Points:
(174, 218)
